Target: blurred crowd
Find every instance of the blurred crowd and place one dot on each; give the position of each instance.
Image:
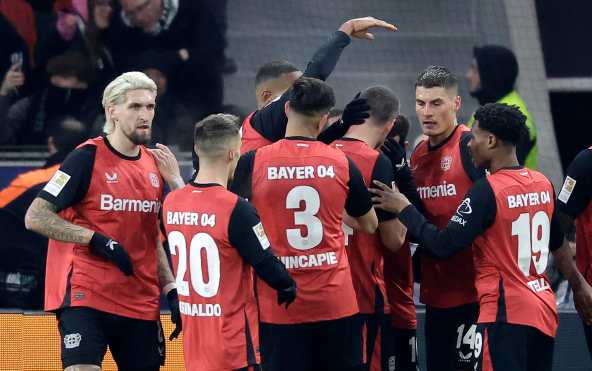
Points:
(56, 57)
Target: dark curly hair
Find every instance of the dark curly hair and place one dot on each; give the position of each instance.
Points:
(504, 121)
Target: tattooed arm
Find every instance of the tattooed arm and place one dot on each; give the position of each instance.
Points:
(42, 218)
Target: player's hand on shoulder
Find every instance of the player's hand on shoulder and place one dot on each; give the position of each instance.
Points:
(112, 250)
(287, 296)
(167, 165)
(173, 301)
(360, 27)
(387, 198)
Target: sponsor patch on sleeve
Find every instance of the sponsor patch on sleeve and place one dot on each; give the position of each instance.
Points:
(567, 189)
(57, 183)
(261, 236)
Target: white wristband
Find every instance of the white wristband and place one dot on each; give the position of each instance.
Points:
(168, 287)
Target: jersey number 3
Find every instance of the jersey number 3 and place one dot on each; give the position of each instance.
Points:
(306, 218)
(178, 245)
(533, 238)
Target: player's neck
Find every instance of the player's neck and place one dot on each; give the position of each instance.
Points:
(503, 160)
(210, 173)
(438, 139)
(358, 132)
(295, 128)
(122, 144)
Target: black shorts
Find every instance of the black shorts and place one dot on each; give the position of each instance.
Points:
(380, 348)
(448, 333)
(405, 350)
(326, 345)
(513, 347)
(85, 334)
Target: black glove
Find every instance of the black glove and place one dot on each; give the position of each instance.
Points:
(396, 153)
(173, 300)
(354, 113)
(111, 250)
(287, 296)
(416, 264)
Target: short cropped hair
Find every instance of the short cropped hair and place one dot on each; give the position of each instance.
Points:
(310, 96)
(115, 92)
(505, 122)
(212, 135)
(384, 104)
(67, 133)
(436, 76)
(273, 70)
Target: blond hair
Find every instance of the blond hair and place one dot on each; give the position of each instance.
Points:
(115, 92)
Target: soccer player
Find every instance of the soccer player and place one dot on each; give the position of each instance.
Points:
(105, 265)
(268, 123)
(214, 237)
(365, 251)
(575, 201)
(509, 219)
(300, 188)
(444, 172)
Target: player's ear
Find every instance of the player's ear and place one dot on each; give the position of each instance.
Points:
(491, 141)
(265, 96)
(457, 103)
(287, 107)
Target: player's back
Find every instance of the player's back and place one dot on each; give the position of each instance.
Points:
(215, 285)
(300, 187)
(365, 250)
(511, 257)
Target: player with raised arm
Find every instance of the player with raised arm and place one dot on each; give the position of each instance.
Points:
(300, 188)
(105, 265)
(215, 237)
(509, 219)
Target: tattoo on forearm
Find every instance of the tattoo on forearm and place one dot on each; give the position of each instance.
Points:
(43, 218)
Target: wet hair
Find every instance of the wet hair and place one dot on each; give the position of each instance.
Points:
(273, 70)
(384, 104)
(213, 134)
(311, 97)
(505, 122)
(437, 76)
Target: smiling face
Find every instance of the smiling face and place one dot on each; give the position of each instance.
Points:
(436, 110)
(133, 118)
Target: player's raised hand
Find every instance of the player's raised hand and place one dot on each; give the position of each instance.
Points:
(387, 198)
(356, 111)
(167, 165)
(360, 27)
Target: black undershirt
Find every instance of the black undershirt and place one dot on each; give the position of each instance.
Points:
(574, 201)
(463, 228)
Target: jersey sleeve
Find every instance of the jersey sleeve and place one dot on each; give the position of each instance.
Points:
(473, 172)
(576, 193)
(243, 174)
(70, 183)
(271, 120)
(473, 216)
(359, 200)
(556, 234)
(247, 235)
(383, 172)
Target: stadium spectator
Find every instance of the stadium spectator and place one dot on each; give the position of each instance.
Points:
(105, 265)
(575, 201)
(20, 15)
(366, 252)
(64, 135)
(80, 27)
(517, 314)
(181, 34)
(26, 121)
(492, 78)
(444, 172)
(321, 330)
(234, 238)
(14, 64)
(268, 124)
(23, 253)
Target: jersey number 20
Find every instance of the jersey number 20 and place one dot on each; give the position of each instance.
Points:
(533, 238)
(178, 245)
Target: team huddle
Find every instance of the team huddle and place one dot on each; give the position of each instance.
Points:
(291, 244)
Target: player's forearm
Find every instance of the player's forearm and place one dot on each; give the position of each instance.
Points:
(42, 218)
(165, 275)
(392, 234)
(325, 59)
(564, 260)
